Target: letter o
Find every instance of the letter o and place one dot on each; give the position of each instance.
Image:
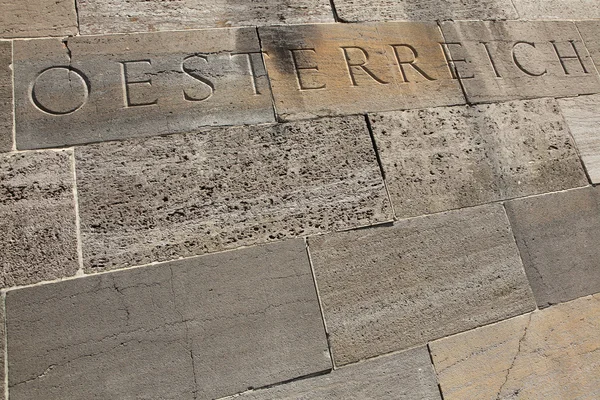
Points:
(60, 90)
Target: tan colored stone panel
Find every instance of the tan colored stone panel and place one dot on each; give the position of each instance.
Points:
(116, 16)
(557, 9)
(97, 88)
(590, 32)
(321, 70)
(31, 18)
(550, 354)
(6, 96)
(510, 60)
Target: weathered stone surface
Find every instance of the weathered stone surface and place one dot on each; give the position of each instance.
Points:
(390, 288)
(6, 106)
(444, 158)
(20, 18)
(583, 118)
(510, 60)
(320, 70)
(424, 10)
(557, 235)
(162, 198)
(37, 218)
(557, 9)
(96, 88)
(2, 349)
(551, 354)
(403, 376)
(201, 328)
(590, 32)
(110, 16)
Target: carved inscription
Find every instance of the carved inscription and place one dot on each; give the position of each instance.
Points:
(47, 93)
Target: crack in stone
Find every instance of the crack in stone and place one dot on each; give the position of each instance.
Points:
(512, 364)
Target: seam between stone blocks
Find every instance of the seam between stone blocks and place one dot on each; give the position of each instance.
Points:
(14, 110)
(77, 219)
(5, 343)
(435, 371)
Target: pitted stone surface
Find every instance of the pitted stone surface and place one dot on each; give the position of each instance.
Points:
(204, 328)
(427, 10)
(445, 158)
(582, 115)
(37, 218)
(334, 69)
(97, 88)
(113, 16)
(390, 288)
(6, 106)
(557, 235)
(509, 60)
(557, 9)
(19, 18)
(404, 376)
(161, 198)
(551, 354)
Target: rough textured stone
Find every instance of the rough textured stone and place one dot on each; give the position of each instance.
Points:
(444, 158)
(557, 9)
(201, 328)
(2, 349)
(26, 18)
(162, 198)
(390, 288)
(590, 32)
(37, 218)
(551, 354)
(583, 118)
(6, 106)
(403, 376)
(427, 10)
(510, 60)
(96, 88)
(557, 235)
(320, 70)
(110, 16)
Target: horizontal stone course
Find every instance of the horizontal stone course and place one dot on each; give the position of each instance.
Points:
(6, 96)
(557, 9)
(393, 287)
(198, 328)
(31, 18)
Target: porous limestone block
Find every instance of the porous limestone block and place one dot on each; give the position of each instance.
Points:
(31, 18)
(557, 9)
(6, 96)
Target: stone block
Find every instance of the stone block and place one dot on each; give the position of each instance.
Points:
(439, 159)
(582, 115)
(403, 376)
(6, 96)
(326, 69)
(590, 32)
(427, 10)
(37, 218)
(557, 235)
(394, 287)
(198, 328)
(19, 18)
(97, 88)
(557, 9)
(551, 354)
(509, 60)
(162, 198)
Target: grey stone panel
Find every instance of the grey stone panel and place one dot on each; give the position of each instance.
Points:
(31, 18)
(6, 97)
(439, 159)
(37, 217)
(162, 198)
(557, 235)
(394, 287)
(590, 32)
(98, 88)
(198, 328)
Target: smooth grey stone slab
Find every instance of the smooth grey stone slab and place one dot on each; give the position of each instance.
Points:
(197, 328)
(30, 18)
(162, 198)
(557, 235)
(37, 217)
(557, 9)
(509, 60)
(6, 96)
(389, 288)
(424, 10)
(590, 32)
(403, 376)
(439, 159)
(113, 16)
(97, 88)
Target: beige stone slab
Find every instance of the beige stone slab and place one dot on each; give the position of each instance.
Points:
(438, 159)
(510, 60)
(31, 18)
(115, 16)
(321, 70)
(394, 287)
(550, 354)
(6, 97)
(167, 197)
(582, 115)
(97, 88)
(557, 9)
(590, 32)
(427, 10)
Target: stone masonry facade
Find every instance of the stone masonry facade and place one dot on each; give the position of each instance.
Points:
(299, 199)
